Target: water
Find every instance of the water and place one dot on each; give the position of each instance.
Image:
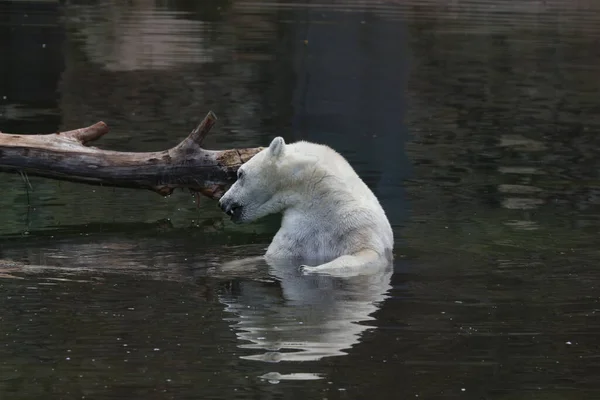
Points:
(475, 122)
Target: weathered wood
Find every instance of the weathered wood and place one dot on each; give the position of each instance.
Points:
(64, 156)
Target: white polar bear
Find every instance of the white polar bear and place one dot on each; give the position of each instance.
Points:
(330, 216)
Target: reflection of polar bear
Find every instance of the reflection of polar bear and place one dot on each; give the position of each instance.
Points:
(302, 318)
(330, 216)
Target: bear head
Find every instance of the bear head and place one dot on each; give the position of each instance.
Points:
(265, 184)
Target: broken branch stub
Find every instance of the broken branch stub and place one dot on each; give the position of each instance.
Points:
(64, 156)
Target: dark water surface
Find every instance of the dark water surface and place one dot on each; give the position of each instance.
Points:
(475, 122)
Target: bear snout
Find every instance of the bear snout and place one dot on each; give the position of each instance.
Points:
(225, 205)
(231, 208)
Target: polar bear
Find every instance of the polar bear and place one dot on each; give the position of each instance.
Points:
(330, 217)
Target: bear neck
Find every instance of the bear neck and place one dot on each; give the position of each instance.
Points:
(310, 200)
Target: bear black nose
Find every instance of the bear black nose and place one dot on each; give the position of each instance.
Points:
(230, 207)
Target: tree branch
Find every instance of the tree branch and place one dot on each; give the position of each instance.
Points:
(64, 156)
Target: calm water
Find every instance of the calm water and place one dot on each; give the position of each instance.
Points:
(475, 122)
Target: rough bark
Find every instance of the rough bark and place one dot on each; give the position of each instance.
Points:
(65, 156)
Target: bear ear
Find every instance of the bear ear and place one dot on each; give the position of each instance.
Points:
(277, 147)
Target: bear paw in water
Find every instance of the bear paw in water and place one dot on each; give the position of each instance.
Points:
(306, 269)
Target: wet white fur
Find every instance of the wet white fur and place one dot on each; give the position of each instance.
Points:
(330, 216)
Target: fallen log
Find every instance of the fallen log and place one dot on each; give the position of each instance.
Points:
(65, 156)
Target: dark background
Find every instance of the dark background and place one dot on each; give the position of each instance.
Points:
(475, 123)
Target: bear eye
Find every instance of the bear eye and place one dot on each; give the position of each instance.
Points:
(240, 174)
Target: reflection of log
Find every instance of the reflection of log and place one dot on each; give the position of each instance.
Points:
(64, 156)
